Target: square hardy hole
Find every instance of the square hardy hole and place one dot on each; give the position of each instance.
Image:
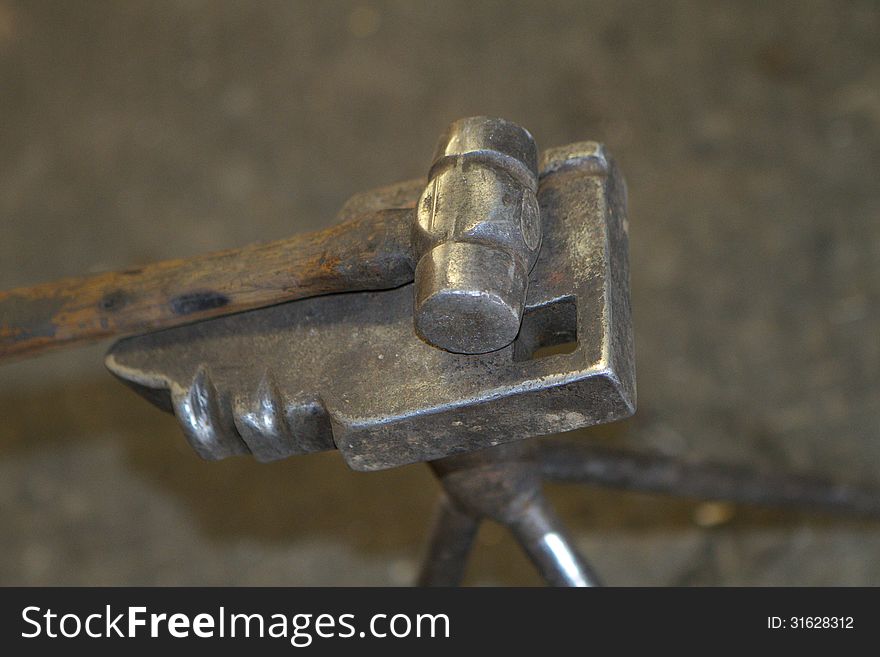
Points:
(547, 331)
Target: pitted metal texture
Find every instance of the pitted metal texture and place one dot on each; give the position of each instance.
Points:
(476, 236)
(348, 371)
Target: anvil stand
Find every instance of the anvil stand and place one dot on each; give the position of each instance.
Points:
(504, 484)
(259, 383)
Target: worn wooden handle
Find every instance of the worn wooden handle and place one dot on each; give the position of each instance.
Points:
(367, 252)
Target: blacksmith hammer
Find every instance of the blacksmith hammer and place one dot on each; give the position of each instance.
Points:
(329, 340)
(469, 242)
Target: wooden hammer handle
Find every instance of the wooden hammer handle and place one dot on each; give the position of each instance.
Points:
(368, 252)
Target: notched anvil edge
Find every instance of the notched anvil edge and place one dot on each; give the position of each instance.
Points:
(218, 426)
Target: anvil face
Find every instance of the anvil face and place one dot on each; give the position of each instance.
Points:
(347, 371)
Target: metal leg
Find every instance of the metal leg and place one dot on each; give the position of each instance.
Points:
(451, 539)
(502, 484)
(541, 534)
(616, 468)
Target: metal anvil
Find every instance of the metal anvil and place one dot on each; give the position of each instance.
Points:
(347, 371)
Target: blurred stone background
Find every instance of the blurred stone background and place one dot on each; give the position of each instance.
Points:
(750, 136)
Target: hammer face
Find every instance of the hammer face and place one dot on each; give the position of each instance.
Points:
(348, 371)
(469, 297)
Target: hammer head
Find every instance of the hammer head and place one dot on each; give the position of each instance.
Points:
(347, 371)
(476, 236)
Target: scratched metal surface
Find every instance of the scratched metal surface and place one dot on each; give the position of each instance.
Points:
(750, 138)
(265, 383)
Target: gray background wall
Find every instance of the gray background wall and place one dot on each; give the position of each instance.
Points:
(750, 136)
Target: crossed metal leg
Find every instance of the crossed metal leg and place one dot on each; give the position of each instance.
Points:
(504, 484)
(501, 484)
